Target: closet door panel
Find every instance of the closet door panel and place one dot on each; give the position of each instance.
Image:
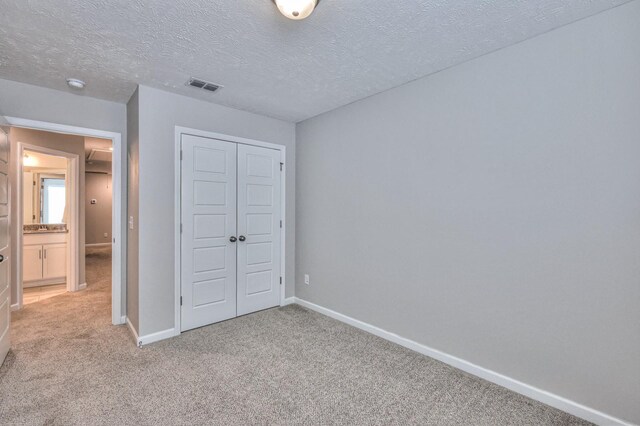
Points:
(259, 226)
(208, 215)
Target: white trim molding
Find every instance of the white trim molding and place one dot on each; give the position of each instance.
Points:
(133, 331)
(525, 389)
(15, 307)
(156, 337)
(149, 338)
(288, 301)
(82, 286)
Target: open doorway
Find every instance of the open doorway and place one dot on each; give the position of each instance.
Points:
(47, 185)
(48, 218)
(61, 204)
(99, 209)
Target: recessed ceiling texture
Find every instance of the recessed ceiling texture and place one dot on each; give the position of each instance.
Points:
(345, 51)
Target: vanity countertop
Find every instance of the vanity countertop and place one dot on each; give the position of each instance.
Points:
(46, 231)
(41, 228)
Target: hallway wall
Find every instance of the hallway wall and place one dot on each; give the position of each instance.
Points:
(98, 216)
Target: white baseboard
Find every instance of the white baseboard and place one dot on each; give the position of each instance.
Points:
(134, 332)
(98, 245)
(532, 392)
(82, 286)
(120, 321)
(288, 301)
(15, 307)
(155, 337)
(43, 283)
(150, 338)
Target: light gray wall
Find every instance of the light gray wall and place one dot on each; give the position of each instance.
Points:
(66, 143)
(160, 112)
(133, 155)
(97, 216)
(37, 103)
(492, 211)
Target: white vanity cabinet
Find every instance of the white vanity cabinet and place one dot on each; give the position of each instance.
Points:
(54, 261)
(44, 259)
(32, 263)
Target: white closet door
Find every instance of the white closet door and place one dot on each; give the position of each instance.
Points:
(258, 228)
(208, 225)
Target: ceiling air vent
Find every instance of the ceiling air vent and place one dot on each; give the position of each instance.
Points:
(100, 154)
(201, 84)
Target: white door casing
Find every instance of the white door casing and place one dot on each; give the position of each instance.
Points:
(259, 226)
(5, 291)
(208, 214)
(118, 282)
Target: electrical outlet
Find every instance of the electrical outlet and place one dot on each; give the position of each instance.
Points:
(106, 235)
(306, 279)
(130, 222)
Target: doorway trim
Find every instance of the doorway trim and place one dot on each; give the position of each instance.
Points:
(179, 131)
(118, 283)
(73, 197)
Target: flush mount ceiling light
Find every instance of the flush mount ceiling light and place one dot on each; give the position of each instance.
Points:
(296, 9)
(29, 161)
(74, 83)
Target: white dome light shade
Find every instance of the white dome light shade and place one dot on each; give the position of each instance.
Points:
(296, 9)
(75, 83)
(29, 161)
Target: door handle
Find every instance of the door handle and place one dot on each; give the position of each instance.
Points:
(233, 239)
(1, 258)
(241, 238)
(39, 254)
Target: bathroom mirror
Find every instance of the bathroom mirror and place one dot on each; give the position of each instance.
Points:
(44, 189)
(52, 199)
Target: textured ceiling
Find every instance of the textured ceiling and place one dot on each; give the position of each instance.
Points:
(347, 50)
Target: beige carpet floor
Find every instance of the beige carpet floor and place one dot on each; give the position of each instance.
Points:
(69, 366)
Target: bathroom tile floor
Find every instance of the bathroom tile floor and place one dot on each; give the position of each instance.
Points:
(36, 294)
